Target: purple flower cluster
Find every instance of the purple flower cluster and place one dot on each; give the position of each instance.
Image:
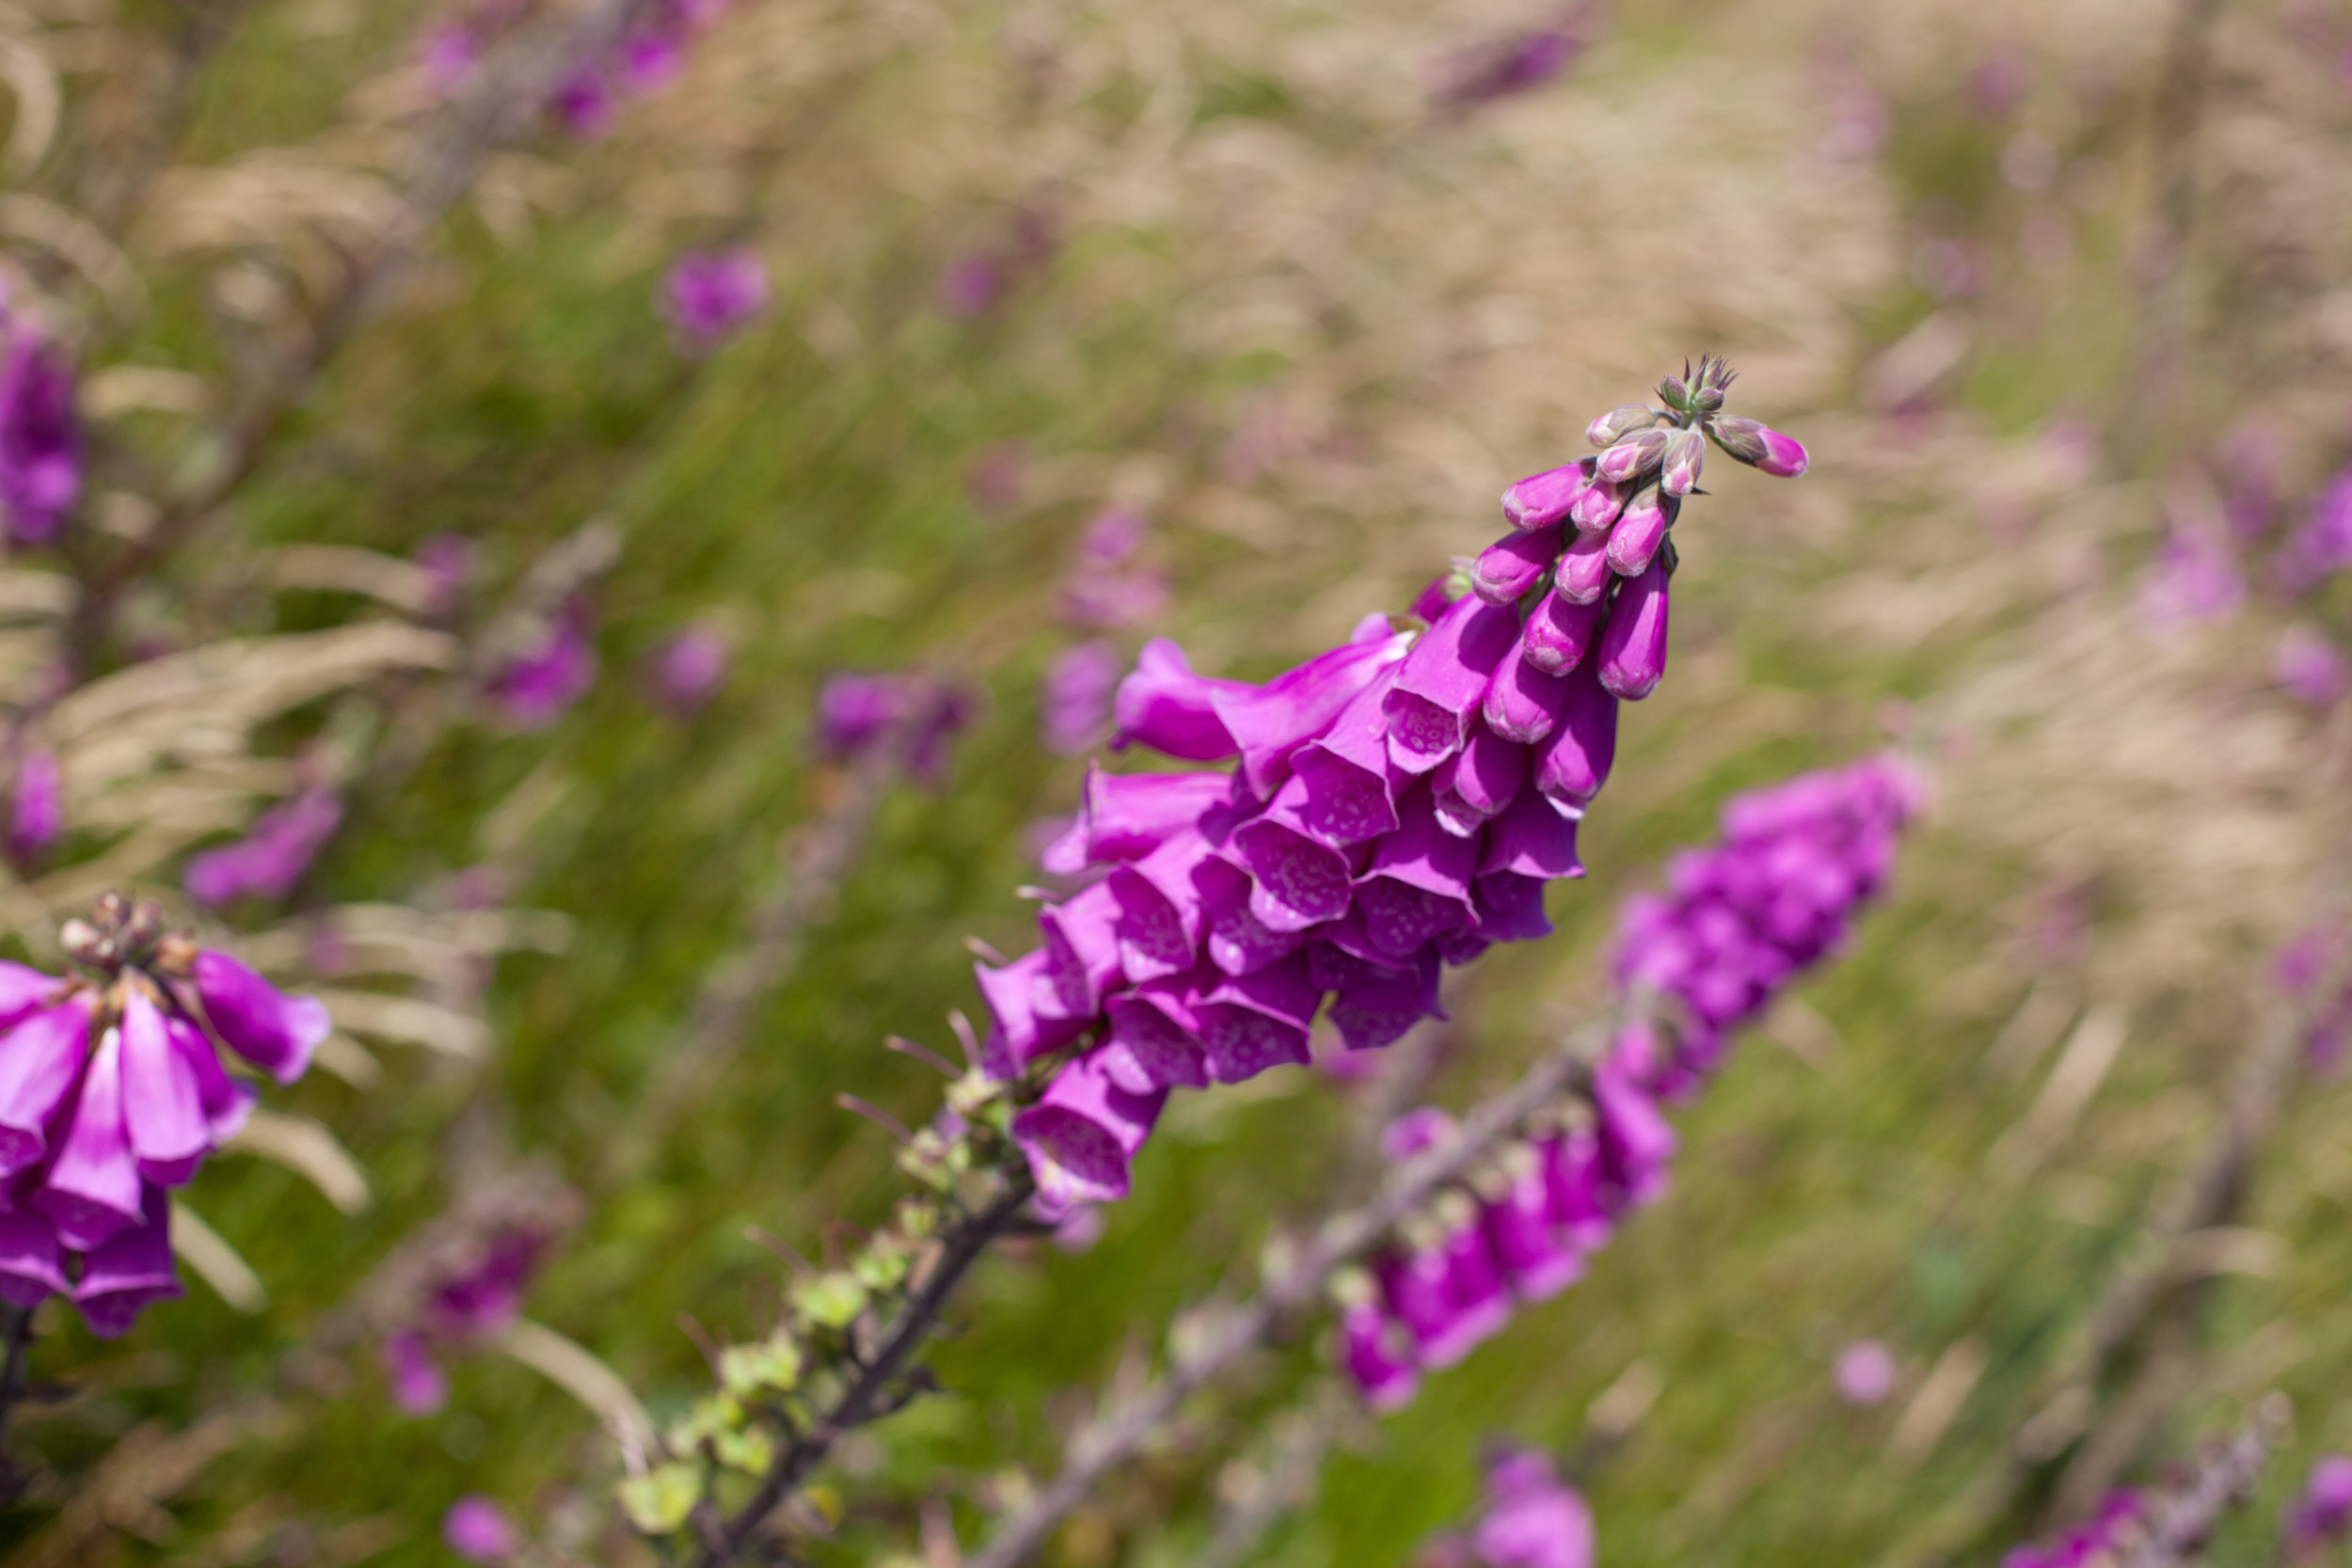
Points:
(539, 685)
(1530, 1518)
(642, 63)
(111, 1091)
(476, 1300)
(2122, 1521)
(1739, 922)
(2321, 1515)
(40, 437)
(1399, 803)
(857, 711)
(708, 294)
(271, 859)
(1515, 63)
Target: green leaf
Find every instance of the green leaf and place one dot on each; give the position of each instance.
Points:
(658, 1501)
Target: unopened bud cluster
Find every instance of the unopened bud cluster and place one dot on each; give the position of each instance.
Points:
(1741, 920)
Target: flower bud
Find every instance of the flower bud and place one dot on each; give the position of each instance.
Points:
(1541, 499)
(1584, 573)
(1759, 446)
(1632, 652)
(1597, 507)
(1619, 421)
(1686, 455)
(1634, 456)
(1673, 394)
(1633, 543)
(1514, 564)
(1557, 635)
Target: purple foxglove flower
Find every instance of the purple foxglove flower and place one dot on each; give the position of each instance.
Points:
(2118, 1522)
(270, 860)
(163, 1103)
(1166, 706)
(1514, 564)
(485, 1297)
(540, 687)
(1540, 500)
(1620, 421)
(1165, 897)
(1112, 537)
(1866, 1372)
(1297, 880)
(1431, 601)
(650, 59)
(1535, 1254)
(41, 1058)
(688, 670)
(1515, 63)
(854, 711)
(1125, 817)
(2309, 667)
(40, 437)
(1510, 908)
(418, 1385)
(131, 1271)
(1599, 506)
(1344, 775)
(709, 294)
(1633, 456)
(1559, 634)
(1572, 1183)
(447, 56)
(225, 1101)
(479, 1530)
(1253, 1021)
(1081, 1137)
(1479, 1300)
(1523, 703)
(1379, 1011)
(2193, 579)
(1238, 941)
(36, 806)
(1379, 1357)
(92, 1188)
(1584, 572)
(583, 102)
(1413, 1283)
(1020, 1034)
(1636, 1142)
(1417, 888)
(2323, 1512)
(1478, 781)
(1532, 838)
(1417, 1132)
(32, 1260)
(275, 1032)
(1640, 531)
(22, 991)
(1271, 722)
(1686, 457)
(1442, 680)
(1081, 954)
(1111, 600)
(1759, 446)
(1159, 1038)
(2322, 546)
(1574, 761)
(1532, 1520)
(1632, 653)
(1075, 696)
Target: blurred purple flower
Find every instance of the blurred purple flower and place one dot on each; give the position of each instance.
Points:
(420, 1387)
(2118, 1522)
(448, 55)
(540, 686)
(271, 859)
(969, 285)
(856, 711)
(480, 1531)
(1866, 1372)
(1998, 84)
(687, 671)
(709, 294)
(2323, 545)
(1514, 63)
(583, 102)
(1075, 696)
(2194, 579)
(36, 806)
(477, 1299)
(40, 435)
(2322, 1515)
(1531, 1519)
(447, 560)
(2311, 667)
(1104, 588)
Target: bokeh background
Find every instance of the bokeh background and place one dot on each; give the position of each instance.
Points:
(2057, 294)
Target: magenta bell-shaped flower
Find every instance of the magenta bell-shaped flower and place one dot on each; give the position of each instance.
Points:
(1075, 696)
(1164, 705)
(1443, 679)
(1641, 529)
(275, 1032)
(1082, 1137)
(710, 296)
(1539, 501)
(131, 1271)
(1532, 1520)
(1514, 564)
(1523, 703)
(1574, 761)
(1559, 633)
(1269, 723)
(1633, 643)
(1584, 573)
